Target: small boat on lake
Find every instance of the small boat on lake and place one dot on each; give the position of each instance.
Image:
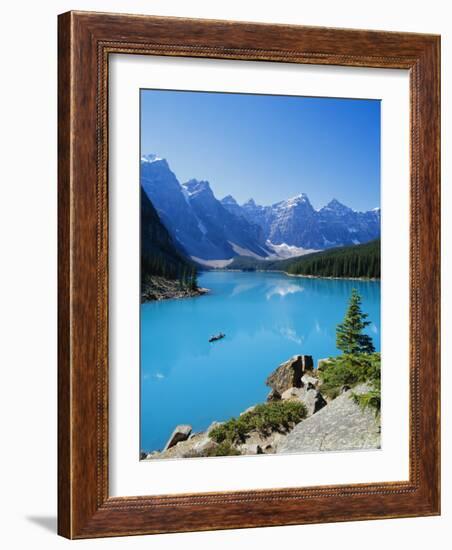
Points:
(217, 337)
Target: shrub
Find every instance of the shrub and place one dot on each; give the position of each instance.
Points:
(371, 399)
(223, 449)
(350, 370)
(265, 418)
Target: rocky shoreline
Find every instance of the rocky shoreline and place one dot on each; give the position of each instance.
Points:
(314, 422)
(159, 288)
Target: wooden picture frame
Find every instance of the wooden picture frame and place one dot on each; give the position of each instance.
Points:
(86, 40)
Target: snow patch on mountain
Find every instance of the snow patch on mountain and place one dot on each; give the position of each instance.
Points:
(284, 250)
(245, 252)
(202, 227)
(294, 201)
(195, 187)
(150, 158)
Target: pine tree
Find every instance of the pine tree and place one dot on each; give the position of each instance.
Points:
(349, 334)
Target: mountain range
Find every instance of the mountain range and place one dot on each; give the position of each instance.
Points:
(208, 229)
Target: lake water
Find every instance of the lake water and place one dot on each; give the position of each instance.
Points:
(267, 318)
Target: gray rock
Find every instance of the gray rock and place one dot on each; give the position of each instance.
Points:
(312, 398)
(198, 445)
(256, 443)
(151, 454)
(339, 426)
(289, 374)
(180, 433)
(293, 394)
(310, 381)
(251, 449)
(319, 402)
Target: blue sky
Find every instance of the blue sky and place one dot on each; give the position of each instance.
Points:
(268, 147)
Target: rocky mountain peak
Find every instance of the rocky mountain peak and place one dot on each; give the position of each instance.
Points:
(229, 200)
(195, 187)
(337, 206)
(211, 229)
(250, 202)
(299, 201)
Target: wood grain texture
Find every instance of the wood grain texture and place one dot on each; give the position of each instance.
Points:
(85, 42)
(64, 295)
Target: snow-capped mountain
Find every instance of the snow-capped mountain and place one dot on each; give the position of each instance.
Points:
(195, 218)
(150, 158)
(220, 225)
(209, 229)
(295, 222)
(338, 223)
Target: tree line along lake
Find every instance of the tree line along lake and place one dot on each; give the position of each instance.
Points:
(267, 317)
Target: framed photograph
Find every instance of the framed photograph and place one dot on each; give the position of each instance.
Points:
(248, 275)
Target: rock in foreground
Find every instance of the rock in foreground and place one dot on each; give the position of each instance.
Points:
(289, 374)
(180, 433)
(296, 419)
(340, 426)
(312, 398)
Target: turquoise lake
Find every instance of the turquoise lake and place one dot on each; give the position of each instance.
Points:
(267, 318)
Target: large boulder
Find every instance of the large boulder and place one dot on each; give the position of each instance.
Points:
(197, 445)
(257, 443)
(289, 374)
(312, 398)
(342, 425)
(310, 381)
(180, 433)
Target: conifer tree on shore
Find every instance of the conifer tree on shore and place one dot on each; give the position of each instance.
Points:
(350, 338)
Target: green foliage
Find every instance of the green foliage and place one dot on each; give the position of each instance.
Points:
(361, 260)
(371, 399)
(349, 334)
(265, 418)
(350, 370)
(160, 255)
(358, 363)
(348, 261)
(223, 449)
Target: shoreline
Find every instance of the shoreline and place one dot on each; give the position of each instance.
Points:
(160, 289)
(372, 279)
(294, 385)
